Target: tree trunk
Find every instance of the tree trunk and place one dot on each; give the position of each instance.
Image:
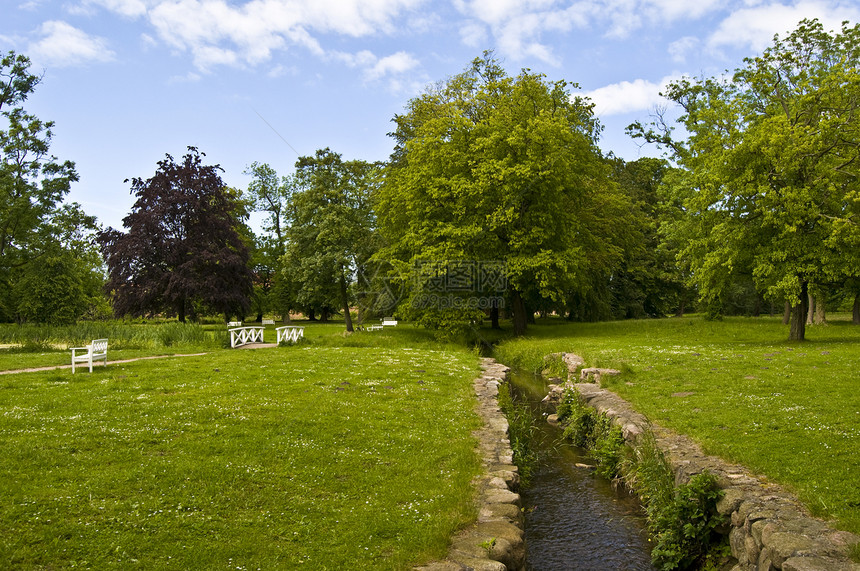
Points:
(519, 310)
(810, 309)
(786, 314)
(180, 310)
(797, 326)
(682, 306)
(344, 299)
(855, 314)
(820, 317)
(311, 316)
(494, 315)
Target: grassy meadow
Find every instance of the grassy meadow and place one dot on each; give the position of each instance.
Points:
(789, 411)
(354, 451)
(336, 453)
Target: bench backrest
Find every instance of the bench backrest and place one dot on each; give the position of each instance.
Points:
(99, 346)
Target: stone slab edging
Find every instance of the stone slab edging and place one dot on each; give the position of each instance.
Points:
(495, 542)
(769, 527)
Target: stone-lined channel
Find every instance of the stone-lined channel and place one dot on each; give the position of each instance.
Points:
(573, 518)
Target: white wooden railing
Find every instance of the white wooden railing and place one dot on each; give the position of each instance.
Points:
(244, 335)
(290, 333)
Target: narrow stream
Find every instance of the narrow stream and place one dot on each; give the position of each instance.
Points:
(574, 519)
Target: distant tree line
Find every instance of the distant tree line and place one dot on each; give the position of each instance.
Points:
(496, 203)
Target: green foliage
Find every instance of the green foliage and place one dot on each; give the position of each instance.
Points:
(176, 333)
(569, 406)
(594, 431)
(522, 434)
(608, 448)
(48, 263)
(855, 552)
(122, 335)
(686, 527)
(771, 159)
(554, 366)
(489, 167)
(330, 238)
(681, 520)
(51, 292)
(649, 282)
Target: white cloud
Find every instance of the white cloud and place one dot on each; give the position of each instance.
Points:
(226, 32)
(375, 68)
(397, 63)
(127, 8)
(679, 49)
(628, 96)
(473, 34)
(755, 27)
(518, 25)
(673, 10)
(64, 45)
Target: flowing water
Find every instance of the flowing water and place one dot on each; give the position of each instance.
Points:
(575, 519)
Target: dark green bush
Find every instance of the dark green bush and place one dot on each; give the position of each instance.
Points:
(686, 527)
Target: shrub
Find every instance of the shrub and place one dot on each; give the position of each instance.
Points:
(686, 527)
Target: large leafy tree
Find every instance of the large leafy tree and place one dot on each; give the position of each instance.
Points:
(649, 282)
(33, 184)
(182, 247)
(493, 168)
(65, 281)
(330, 237)
(271, 194)
(773, 158)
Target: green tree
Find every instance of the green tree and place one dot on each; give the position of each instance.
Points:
(272, 195)
(493, 168)
(772, 161)
(649, 282)
(331, 232)
(33, 183)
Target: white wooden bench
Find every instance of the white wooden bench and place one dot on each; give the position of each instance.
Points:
(268, 322)
(389, 322)
(373, 327)
(234, 324)
(244, 335)
(97, 350)
(290, 333)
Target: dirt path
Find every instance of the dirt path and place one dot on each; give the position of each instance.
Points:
(37, 369)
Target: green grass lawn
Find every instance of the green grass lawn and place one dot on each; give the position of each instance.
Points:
(315, 456)
(790, 411)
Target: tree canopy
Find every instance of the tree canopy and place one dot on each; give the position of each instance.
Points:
(37, 229)
(330, 237)
(489, 168)
(771, 159)
(182, 250)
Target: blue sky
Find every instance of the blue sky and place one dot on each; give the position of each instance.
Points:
(127, 81)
